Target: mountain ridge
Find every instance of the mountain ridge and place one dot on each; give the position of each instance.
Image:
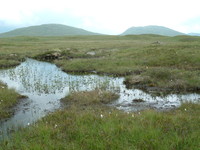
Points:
(65, 30)
(152, 29)
(47, 30)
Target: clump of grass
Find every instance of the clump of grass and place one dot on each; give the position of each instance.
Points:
(8, 99)
(95, 128)
(4, 63)
(10, 59)
(90, 98)
(165, 78)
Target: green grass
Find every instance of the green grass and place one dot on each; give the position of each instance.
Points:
(106, 128)
(125, 56)
(177, 80)
(86, 123)
(8, 99)
(86, 98)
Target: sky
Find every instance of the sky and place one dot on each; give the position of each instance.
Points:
(102, 16)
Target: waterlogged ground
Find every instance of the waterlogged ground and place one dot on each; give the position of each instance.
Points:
(44, 84)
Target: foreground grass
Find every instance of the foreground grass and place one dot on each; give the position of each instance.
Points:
(8, 99)
(92, 126)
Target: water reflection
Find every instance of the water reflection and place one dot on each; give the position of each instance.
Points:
(37, 78)
(45, 84)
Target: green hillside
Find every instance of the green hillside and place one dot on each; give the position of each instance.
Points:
(160, 30)
(47, 30)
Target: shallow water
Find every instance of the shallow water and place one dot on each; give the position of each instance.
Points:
(45, 84)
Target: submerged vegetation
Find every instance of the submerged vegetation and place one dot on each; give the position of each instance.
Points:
(107, 128)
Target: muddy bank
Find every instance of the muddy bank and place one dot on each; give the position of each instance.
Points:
(11, 110)
(152, 89)
(9, 99)
(7, 66)
(79, 72)
(10, 60)
(65, 55)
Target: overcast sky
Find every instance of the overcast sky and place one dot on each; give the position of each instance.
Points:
(103, 16)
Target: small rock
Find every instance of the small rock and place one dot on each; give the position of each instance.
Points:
(92, 53)
(53, 55)
(57, 50)
(137, 79)
(13, 55)
(156, 42)
(56, 54)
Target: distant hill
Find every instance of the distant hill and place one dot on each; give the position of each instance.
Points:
(194, 34)
(47, 30)
(160, 30)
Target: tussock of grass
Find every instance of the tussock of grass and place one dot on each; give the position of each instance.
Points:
(4, 64)
(165, 78)
(112, 129)
(88, 98)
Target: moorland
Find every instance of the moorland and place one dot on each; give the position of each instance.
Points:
(148, 62)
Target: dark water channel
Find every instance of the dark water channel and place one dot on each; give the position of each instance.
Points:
(44, 84)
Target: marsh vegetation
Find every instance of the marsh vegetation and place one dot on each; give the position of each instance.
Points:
(98, 127)
(171, 66)
(8, 99)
